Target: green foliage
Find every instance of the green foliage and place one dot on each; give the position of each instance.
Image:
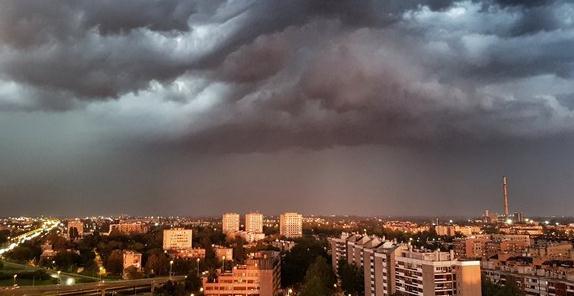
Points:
(115, 262)
(295, 262)
(193, 282)
(319, 279)
(157, 263)
(132, 273)
(67, 261)
(4, 234)
(352, 278)
(492, 289)
(239, 253)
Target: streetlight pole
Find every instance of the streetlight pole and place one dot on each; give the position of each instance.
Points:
(197, 267)
(15, 276)
(170, 268)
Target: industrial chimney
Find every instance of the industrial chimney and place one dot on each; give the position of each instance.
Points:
(505, 195)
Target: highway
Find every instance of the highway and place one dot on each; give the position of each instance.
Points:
(45, 228)
(99, 288)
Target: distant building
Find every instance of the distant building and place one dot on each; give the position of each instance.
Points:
(188, 253)
(283, 245)
(230, 222)
(127, 228)
(291, 225)
(75, 229)
(250, 236)
(261, 275)
(254, 223)
(132, 258)
(177, 239)
(486, 246)
(223, 253)
(453, 230)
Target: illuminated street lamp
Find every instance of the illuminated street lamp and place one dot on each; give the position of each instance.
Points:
(15, 276)
(198, 266)
(170, 268)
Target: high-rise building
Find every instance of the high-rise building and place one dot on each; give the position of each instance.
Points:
(436, 273)
(505, 196)
(254, 223)
(230, 222)
(391, 268)
(261, 275)
(177, 239)
(291, 225)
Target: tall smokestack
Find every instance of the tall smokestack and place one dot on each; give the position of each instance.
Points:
(505, 194)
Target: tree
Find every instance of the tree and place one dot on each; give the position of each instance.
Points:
(319, 279)
(132, 273)
(295, 262)
(157, 264)
(67, 260)
(492, 289)
(238, 245)
(115, 262)
(351, 278)
(193, 283)
(73, 233)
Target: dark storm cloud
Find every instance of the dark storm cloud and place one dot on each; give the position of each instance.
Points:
(265, 75)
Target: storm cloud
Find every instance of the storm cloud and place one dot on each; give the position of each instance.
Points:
(273, 74)
(146, 85)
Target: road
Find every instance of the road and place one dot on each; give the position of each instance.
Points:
(45, 228)
(135, 286)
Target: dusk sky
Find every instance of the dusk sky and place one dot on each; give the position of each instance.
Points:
(177, 107)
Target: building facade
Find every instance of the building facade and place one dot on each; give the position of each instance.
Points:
(127, 228)
(260, 276)
(177, 239)
(230, 223)
(254, 223)
(291, 225)
(390, 268)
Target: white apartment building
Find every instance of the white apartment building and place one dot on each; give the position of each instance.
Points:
(254, 223)
(390, 267)
(177, 239)
(230, 222)
(291, 225)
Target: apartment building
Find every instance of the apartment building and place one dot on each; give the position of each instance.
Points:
(260, 276)
(177, 239)
(291, 225)
(391, 267)
(254, 223)
(230, 223)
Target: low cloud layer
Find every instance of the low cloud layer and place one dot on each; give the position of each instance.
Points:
(243, 76)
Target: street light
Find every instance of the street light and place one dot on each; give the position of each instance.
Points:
(197, 267)
(170, 268)
(15, 276)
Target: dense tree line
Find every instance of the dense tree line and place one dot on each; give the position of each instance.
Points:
(319, 279)
(492, 289)
(352, 278)
(296, 262)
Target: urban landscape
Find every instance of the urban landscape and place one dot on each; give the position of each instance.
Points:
(506, 253)
(287, 147)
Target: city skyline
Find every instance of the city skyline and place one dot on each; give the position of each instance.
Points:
(368, 108)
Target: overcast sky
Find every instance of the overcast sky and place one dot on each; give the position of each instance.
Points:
(397, 107)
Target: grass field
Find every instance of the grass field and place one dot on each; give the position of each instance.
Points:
(26, 278)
